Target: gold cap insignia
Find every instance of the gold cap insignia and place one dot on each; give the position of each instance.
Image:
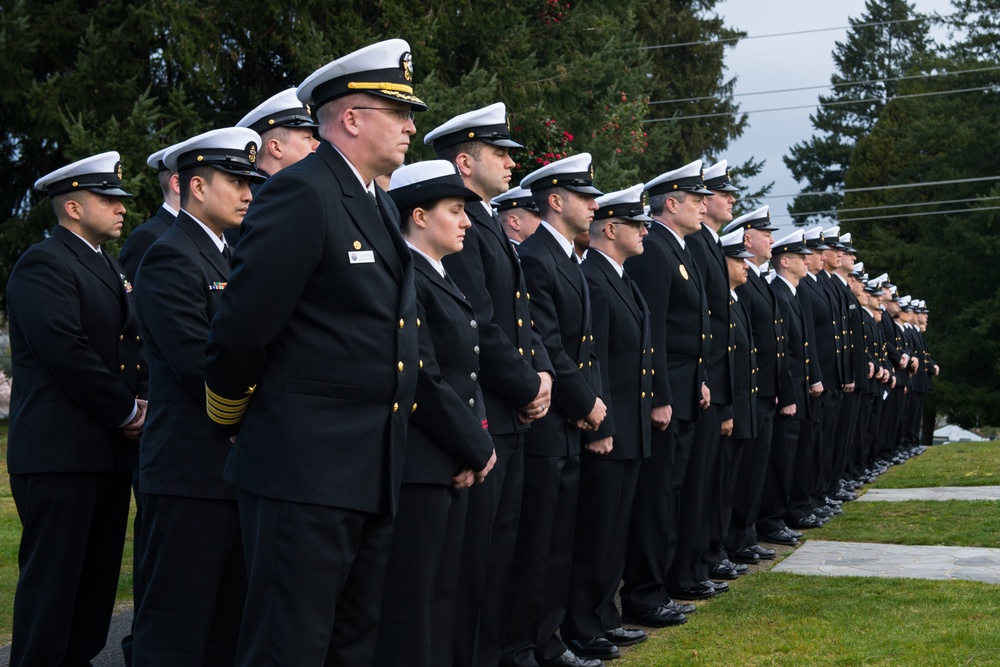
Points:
(591, 171)
(406, 62)
(252, 152)
(118, 170)
(684, 272)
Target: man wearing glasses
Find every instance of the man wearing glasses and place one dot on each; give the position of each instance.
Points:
(313, 362)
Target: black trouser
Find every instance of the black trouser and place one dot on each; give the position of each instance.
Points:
(780, 468)
(69, 557)
(607, 492)
(729, 460)
(652, 540)
(538, 591)
(751, 477)
(487, 552)
(801, 490)
(190, 560)
(316, 576)
(698, 504)
(417, 624)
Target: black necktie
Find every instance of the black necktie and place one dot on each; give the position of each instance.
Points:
(374, 201)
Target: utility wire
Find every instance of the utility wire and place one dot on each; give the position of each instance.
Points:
(883, 187)
(920, 215)
(822, 104)
(834, 212)
(780, 34)
(833, 85)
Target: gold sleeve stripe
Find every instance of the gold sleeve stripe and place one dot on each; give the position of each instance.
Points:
(221, 400)
(381, 85)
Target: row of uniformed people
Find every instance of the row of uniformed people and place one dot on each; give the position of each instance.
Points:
(864, 386)
(324, 290)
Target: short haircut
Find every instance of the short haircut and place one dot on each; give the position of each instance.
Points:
(59, 202)
(164, 177)
(184, 178)
(542, 200)
(473, 148)
(659, 202)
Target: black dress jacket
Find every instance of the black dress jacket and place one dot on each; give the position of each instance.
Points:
(313, 356)
(621, 344)
(448, 430)
(76, 356)
(178, 290)
(671, 283)
(560, 306)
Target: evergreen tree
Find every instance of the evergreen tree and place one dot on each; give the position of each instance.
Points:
(883, 44)
(82, 78)
(943, 249)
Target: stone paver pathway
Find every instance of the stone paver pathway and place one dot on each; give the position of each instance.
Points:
(857, 559)
(935, 493)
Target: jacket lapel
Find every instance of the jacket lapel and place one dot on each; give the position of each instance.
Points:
(371, 225)
(204, 244)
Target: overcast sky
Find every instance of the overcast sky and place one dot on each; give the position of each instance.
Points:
(793, 61)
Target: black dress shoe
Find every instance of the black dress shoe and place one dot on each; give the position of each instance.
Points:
(719, 586)
(696, 592)
(720, 571)
(806, 523)
(660, 617)
(744, 555)
(569, 659)
(739, 567)
(681, 607)
(626, 636)
(822, 511)
(596, 647)
(791, 531)
(779, 537)
(762, 552)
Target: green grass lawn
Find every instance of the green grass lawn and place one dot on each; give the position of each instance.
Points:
(786, 619)
(10, 537)
(962, 523)
(797, 621)
(957, 464)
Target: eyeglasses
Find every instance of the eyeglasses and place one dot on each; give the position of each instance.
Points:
(402, 114)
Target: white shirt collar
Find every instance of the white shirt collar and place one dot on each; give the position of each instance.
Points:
(564, 243)
(680, 239)
(220, 243)
(438, 266)
(753, 267)
(96, 249)
(489, 209)
(732, 293)
(790, 286)
(711, 232)
(617, 267)
(841, 278)
(369, 187)
(169, 209)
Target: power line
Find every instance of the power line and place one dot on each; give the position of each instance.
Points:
(780, 34)
(834, 85)
(823, 104)
(920, 215)
(834, 212)
(884, 187)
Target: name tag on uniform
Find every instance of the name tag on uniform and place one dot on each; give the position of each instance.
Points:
(361, 256)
